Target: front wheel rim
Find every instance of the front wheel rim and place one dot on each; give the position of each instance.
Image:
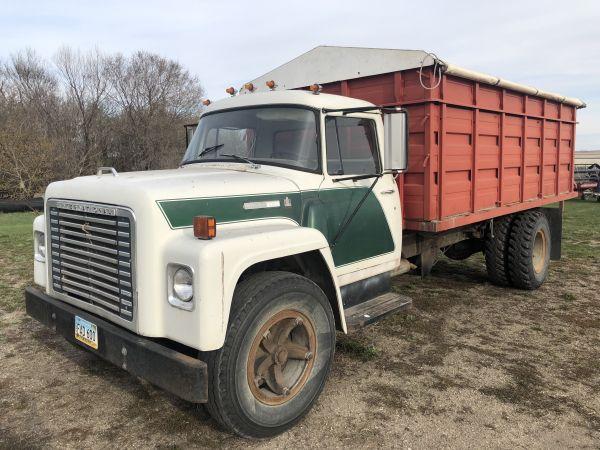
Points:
(281, 357)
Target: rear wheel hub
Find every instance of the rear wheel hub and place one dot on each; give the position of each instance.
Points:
(540, 248)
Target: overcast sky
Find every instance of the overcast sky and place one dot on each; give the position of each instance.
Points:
(552, 45)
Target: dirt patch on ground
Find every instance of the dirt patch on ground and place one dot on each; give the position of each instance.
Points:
(471, 365)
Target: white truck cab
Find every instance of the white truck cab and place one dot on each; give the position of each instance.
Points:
(224, 280)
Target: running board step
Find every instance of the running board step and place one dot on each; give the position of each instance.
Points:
(363, 314)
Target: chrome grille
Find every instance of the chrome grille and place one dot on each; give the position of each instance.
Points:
(91, 255)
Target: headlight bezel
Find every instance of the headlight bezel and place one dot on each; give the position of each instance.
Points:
(172, 295)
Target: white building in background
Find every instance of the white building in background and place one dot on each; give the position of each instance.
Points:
(587, 157)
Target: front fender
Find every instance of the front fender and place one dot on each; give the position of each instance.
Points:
(219, 263)
(241, 250)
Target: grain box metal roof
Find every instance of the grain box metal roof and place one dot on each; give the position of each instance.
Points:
(325, 64)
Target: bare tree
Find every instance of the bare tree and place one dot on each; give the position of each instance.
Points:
(24, 152)
(154, 97)
(86, 84)
(27, 80)
(28, 102)
(89, 109)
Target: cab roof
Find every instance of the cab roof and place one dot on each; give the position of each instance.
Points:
(295, 97)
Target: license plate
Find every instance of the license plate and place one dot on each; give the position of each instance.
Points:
(86, 332)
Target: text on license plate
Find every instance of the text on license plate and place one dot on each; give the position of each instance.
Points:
(86, 332)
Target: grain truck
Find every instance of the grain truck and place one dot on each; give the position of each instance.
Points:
(298, 198)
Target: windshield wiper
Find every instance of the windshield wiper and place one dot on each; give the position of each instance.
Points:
(241, 158)
(212, 148)
(228, 155)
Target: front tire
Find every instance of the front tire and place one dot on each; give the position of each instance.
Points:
(277, 354)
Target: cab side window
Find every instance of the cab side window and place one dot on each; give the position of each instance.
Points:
(351, 146)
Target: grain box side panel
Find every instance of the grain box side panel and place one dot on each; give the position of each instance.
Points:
(458, 91)
(533, 158)
(567, 135)
(333, 88)
(456, 157)
(433, 133)
(378, 89)
(475, 151)
(550, 158)
(414, 86)
(488, 161)
(512, 149)
(415, 177)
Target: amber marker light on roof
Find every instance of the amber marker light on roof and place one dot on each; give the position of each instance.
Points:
(249, 87)
(231, 91)
(315, 88)
(271, 84)
(206, 102)
(205, 227)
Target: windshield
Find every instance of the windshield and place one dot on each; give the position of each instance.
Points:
(281, 136)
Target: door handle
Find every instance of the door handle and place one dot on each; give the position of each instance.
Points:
(389, 191)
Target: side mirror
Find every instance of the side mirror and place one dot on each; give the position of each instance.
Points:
(395, 125)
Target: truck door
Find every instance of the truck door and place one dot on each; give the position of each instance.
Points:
(365, 240)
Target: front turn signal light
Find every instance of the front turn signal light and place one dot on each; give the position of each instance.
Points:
(205, 227)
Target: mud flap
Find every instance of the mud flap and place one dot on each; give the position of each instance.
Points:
(554, 216)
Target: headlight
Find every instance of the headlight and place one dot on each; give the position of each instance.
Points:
(39, 246)
(180, 280)
(182, 285)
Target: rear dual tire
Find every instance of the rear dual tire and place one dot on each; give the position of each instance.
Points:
(518, 253)
(529, 250)
(496, 251)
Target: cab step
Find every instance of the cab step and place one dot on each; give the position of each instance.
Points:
(363, 314)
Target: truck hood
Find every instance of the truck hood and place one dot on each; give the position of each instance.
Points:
(131, 189)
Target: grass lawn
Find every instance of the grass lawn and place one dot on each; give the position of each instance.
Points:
(581, 229)
(16, 258)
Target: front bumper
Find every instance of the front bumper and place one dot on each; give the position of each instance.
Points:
(173, 371)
